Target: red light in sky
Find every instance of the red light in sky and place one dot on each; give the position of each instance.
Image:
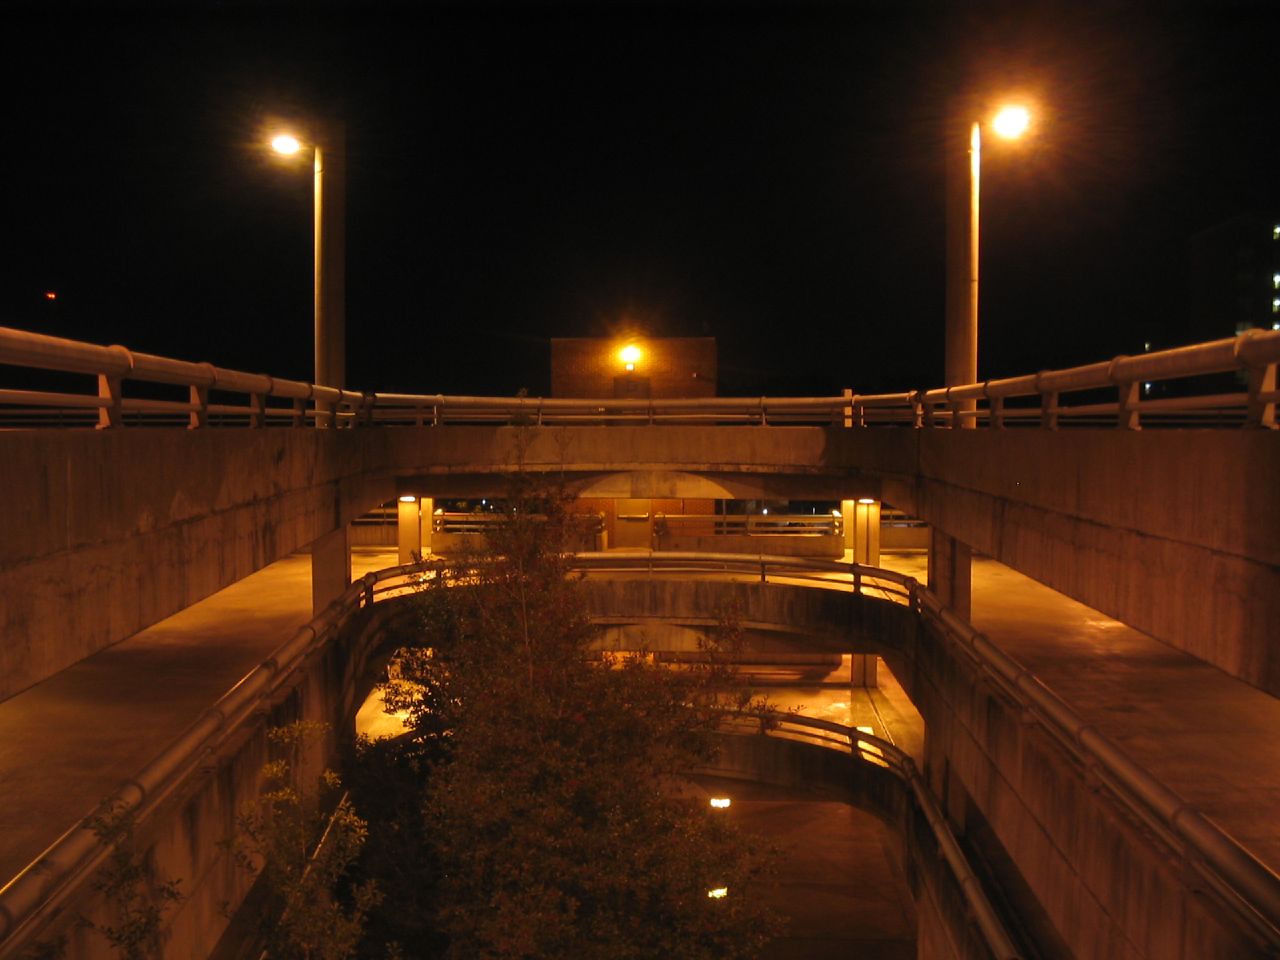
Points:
(50, 295)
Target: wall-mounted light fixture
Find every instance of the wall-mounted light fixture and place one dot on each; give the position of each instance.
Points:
(630, 356)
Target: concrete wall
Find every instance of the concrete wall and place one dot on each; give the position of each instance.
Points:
(1174, 532)
(1086, 880)
(103, 533)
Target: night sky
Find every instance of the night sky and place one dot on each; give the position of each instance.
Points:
(768, 175)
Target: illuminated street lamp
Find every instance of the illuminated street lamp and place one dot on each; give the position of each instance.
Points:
(329, 156)
(964, 167)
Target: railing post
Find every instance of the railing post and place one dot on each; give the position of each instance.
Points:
(199, 407)
(995, 406)
(1129, 398)
(764, 576)
(1262, 397)
(299, 412)
(1049, 410)
(257, 409)
(111, 415)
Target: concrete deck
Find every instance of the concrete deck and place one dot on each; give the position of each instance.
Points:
(69, 741)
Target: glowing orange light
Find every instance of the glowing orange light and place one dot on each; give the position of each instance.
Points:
(630, 355)
(285, 144)
(50, 295)
(1011, 122)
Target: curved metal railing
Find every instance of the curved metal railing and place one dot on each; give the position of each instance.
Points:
(209, 395)
(1244, 882)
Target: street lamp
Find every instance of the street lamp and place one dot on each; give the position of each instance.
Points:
(329, 291)
(964, 167)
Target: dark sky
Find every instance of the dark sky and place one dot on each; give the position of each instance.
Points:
(769, 175)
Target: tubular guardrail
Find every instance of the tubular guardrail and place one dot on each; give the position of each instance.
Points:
(1244, 882)
(258, 400)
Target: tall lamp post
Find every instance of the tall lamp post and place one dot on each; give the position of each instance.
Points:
(964, 169)
(330, 286)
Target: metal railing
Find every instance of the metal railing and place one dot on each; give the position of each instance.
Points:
(1247, 885)
(209, 395)
(749, 525)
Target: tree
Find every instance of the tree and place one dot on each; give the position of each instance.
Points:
(553, 825)
(301, 844)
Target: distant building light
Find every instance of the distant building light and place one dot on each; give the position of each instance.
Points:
(721, 803)
(1275, 304)
(1275, 232)
(408, 498)
(1146, 387)
(719, 893)
(1275, 326)
(1146, 345)
(1275, 281)
(765, 511)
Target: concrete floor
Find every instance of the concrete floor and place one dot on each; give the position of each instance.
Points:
(69, 741)
(839, 883)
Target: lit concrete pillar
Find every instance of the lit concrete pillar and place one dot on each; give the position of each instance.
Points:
(330, 567)
(951, 572)
(408, 529)
(862, 670)
(426, 524)
(862, 530)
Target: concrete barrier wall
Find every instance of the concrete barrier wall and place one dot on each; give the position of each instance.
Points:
(1173, 532)
(1086, 879)
(776, 617)
(103, 533)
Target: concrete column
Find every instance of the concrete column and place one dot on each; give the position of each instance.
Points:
(426, 524)
(330, 567)
(863, 669)
(408, 530)
(951, 572)
(862, 530)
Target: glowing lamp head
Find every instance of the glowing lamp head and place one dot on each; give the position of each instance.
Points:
(629, 355)
(1011, 122)
(285, 144)
(408, 498)
(721, 803)
(865, 500)
(718, 893)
